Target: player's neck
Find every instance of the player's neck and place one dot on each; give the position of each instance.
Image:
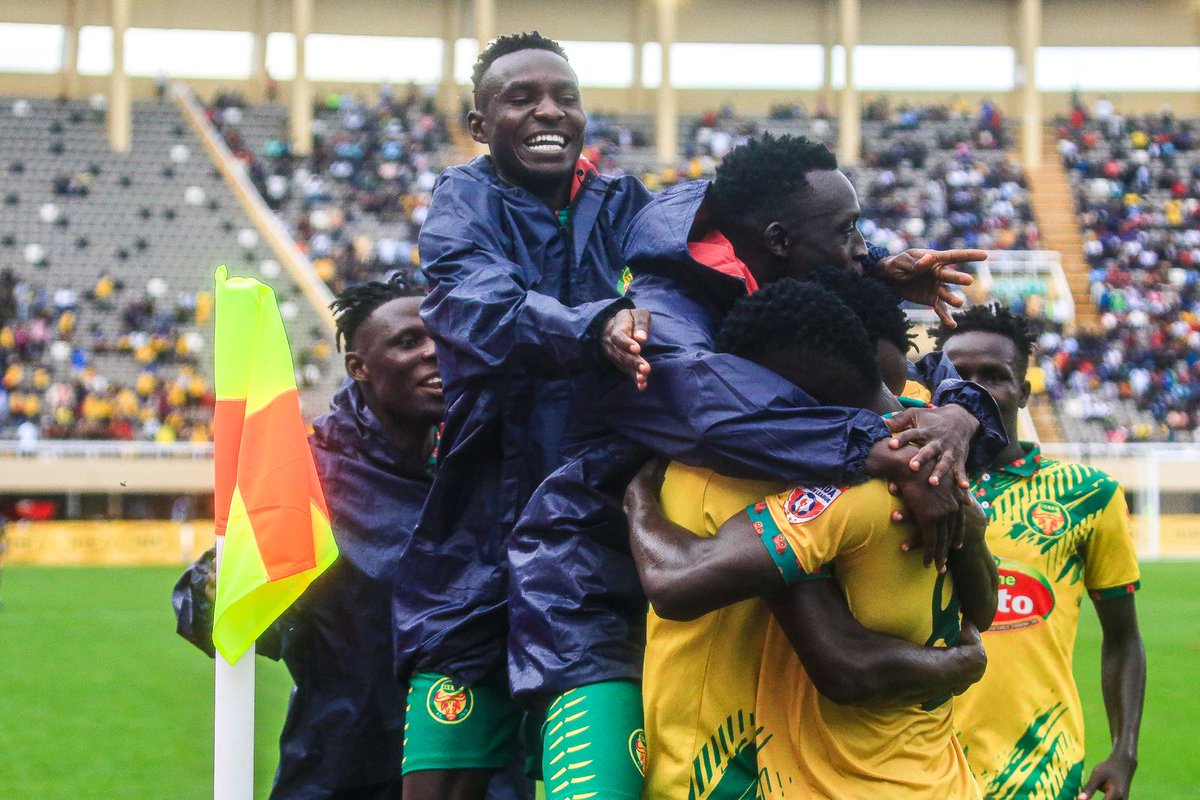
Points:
(1012, 452)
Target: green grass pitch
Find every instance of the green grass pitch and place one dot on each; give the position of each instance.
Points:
(100, 699)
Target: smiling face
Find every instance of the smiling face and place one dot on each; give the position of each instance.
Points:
(394, 363)
(529, 113)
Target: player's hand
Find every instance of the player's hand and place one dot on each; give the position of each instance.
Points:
(974, 657)
(927, 277)
(622, 340)
(642, 492)
(1111, 776)
(937, 512)
(944, 436)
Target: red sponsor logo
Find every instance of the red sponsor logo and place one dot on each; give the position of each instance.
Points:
(781, 544)
(1025, 597)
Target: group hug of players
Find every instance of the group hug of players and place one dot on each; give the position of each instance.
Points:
(861, 584)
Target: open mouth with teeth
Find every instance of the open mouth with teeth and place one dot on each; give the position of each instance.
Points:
(434, 381)
(547, 143)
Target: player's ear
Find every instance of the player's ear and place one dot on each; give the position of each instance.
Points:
(776, 240)
(355, 367)
(1026, 388)
(476, 127)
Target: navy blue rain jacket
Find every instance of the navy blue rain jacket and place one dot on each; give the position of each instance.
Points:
(577, 608)
(345, 721)
(515, 307)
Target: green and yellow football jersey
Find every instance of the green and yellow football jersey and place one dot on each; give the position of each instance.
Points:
(1057, 530)
(700, 679)
(815, 747)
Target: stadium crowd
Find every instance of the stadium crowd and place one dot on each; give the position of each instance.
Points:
(52, 387)
(1137, 185)
(355, 205)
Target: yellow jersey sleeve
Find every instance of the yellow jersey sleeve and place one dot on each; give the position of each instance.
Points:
(804, 529)
(917, 391)
(1110, 565)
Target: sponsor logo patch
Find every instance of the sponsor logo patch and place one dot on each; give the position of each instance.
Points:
(805, 504)
(448, 703)
(1025, 597)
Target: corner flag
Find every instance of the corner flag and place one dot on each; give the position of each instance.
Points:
(269, 506)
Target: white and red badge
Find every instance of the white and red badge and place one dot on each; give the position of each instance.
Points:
(806, 503)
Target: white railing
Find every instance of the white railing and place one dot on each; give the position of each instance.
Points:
(87, 448)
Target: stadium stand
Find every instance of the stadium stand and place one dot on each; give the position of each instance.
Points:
(355, 205)
(1137, 188)
(105, 293)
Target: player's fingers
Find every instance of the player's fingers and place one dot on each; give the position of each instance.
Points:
(641, 324)
(901, 420)
(905, 438)
(945, 534)
(929, 453)
(943, 469)
(950, 297)
(964, 256)
(943, 313)
(947, 275)
(893, 488)
(929, 536)
(1094, 782)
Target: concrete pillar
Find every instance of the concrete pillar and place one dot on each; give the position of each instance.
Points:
(828, 40)
(1031, 98)
(667, 114)
(451, 30)
(70, 51)
(120, 110)
(302, 95)
(258, 66)
(849, 112)
(637, 37)
(485, 22)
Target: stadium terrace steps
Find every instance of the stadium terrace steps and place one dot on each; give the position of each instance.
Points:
(1054, 209)
(1045, 419)
(157, 215)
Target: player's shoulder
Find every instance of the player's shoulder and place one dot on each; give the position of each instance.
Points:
(808, 503)
(1077, 477)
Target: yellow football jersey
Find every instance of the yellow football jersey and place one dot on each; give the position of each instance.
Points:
(700, 677)
(812, 747)
(1056, 530)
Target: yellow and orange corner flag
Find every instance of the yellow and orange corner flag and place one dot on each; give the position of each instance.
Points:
(268, 502)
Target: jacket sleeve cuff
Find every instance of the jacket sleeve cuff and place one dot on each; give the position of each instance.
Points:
(991, 439)
(865, 431)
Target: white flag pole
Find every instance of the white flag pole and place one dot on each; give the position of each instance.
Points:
(233, 723)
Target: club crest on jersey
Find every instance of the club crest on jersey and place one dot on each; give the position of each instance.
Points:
(806, 503)
(1047, 517)
(637, 750)
(448, 703)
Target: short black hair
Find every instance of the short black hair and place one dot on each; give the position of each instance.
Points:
(355, 303)
(873, 301)
(797, 314)
(758, 175)
(511, 43)
(989, 318)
